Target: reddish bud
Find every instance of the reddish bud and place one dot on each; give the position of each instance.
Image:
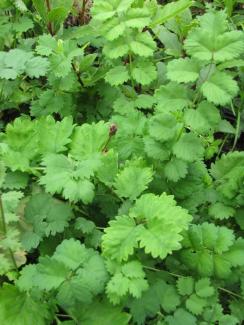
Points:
(112, 129)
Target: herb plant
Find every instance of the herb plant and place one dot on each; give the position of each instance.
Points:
(121, 162)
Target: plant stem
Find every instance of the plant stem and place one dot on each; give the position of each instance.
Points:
(158, 270)
(4, 230)
(222, 145)
(49, 24)
(238, 123)
(78, 75)
(83, 11)
(231, 293)
(130, 68)
(2, 218)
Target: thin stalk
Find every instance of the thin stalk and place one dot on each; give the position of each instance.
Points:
(158, 270)
(222, 145)
(49, 24)
(198, 93)
(4, 230)
(231, 293)
(238, 124)
(232, 108)
(2, 218)
(83, 11)
(130, 68)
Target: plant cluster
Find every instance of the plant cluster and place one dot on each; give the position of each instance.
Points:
(121, 162)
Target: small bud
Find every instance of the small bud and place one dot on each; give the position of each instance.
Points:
(112, 129)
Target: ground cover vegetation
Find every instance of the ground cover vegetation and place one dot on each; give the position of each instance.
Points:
(121, 162)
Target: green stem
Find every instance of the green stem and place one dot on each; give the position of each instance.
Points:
(49, 24)
(231, 293)
(3, 226)
(131, 68)
(158, 270)
(4, 230)
(221, 147)
(238, 124)
(198, 93)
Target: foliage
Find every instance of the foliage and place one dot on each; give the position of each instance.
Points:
(121, 162)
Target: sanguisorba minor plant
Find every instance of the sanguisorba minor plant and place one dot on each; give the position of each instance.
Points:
(121, 162)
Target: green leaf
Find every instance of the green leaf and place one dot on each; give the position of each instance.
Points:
(195, 304)
(204, 119)
(169, 11)
(46, 45)
(47, 215)
(211, 41)
(132, 181)
(50, 102)
(15, 180)
(144, 101)
(181, 316)
(205, 248)
(37, 67)
(188, 148)
(89, 139)
(120, 238)
(228, 320)
(86, 226)
(221, 211)
(54, 136)
(185, 285)
(105, 314)
(183, 70)
(172, 97)
(203, 288)
(143, 45)
(163, 127)
(117, 75)
(71, 178)
(175, 169)
(130, 279)
(150, 224)
(144, 72)
(50, 274)
(23, 24)
(220, 88)
(71, 253)
(20, 308)
(169, 40)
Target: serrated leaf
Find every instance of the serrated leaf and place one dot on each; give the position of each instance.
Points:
(89, 139)
(16, 306)
(129, 280)
(143, 45)
(163, 127)
(220, 88)
(221, 211)
(120, 239)
(181, 316)
(172, 97)
(117, 75)
(37, 67)
(195, 304)
(50, 274)
(132, 181)
(188, 148)
(155, 230)
(211, 40)
(144, 72)
(203, 288)
(185, 285)
(183, 70)
(175, 169)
